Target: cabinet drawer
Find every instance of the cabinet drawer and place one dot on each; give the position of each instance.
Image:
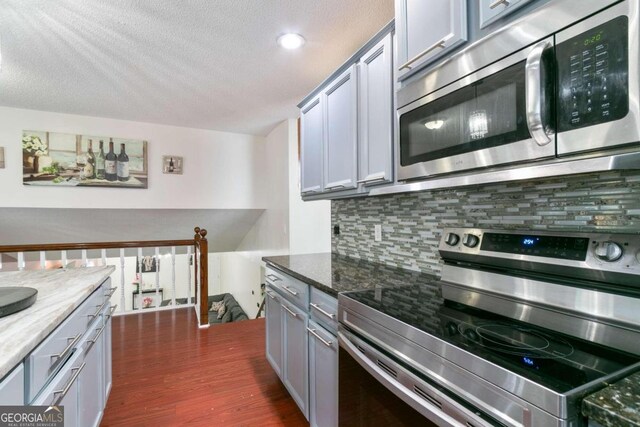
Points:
(292, 289)
(12, 387)
(48, 357)
(324, 309)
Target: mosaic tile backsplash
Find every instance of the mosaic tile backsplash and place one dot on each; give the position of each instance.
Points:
(412, 223)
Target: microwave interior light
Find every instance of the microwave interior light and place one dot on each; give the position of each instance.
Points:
(478, 124)
(434, 124)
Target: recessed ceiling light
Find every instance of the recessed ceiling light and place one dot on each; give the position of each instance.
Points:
(291, 40)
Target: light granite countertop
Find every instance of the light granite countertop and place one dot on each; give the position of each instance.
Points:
(59, 293)
(617, 405)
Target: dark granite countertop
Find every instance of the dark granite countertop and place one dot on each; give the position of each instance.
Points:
(617, 405)
(332, 273)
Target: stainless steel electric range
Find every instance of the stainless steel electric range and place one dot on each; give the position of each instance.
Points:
(520, 327)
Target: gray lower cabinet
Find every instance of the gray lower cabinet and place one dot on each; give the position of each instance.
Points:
(312, 148)
(274, 340)
(12, 387)
(375, 136)
(340, 100)
(428, 29)
(296, 363)
(323, 377)
(493, 10)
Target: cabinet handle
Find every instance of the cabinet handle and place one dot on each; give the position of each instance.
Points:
(294, 293)
(60, 356)
(110, 292)
(376, 179)
(274, 278)
(100, 307)
(309, 191)
(334, 187)
(67, 387)
(326, 313)
(289, 310)
(315, 334)
(271, 295)
(94, 339)
(437, 45)
(113, 309)
(498, 3)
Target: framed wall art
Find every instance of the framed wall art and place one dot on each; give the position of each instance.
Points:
(72, 160)
(172, 165)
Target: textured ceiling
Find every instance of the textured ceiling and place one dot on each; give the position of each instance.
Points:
(211, 64)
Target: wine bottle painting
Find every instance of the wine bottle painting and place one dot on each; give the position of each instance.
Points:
(72, 160)
(172, 164)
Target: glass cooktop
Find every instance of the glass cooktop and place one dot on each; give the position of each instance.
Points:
(554, 360)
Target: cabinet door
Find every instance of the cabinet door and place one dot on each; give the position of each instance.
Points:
(12, 387)
(427, 29)
(375, 138)
(295, 369)
(340, 126)
(493, 10)
(311, 147)
(274, 313)
(323, 377)
(90, 381)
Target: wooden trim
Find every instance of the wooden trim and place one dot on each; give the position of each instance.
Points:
(94, 245)
(201, 242)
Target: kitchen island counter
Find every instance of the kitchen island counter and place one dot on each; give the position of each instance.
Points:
(617, 405)
(60, 292)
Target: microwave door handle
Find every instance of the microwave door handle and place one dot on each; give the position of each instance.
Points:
(534, 95)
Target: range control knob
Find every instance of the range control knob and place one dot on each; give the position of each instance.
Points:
(470, 240)
(451, 239)
(608, 251)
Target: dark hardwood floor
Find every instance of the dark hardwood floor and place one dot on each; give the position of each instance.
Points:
(167, 372)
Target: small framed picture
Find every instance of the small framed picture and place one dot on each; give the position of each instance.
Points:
(172, 165)
(1, 157)
(149, 264)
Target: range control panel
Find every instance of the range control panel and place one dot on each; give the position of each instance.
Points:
(593, 73)
(563, 247)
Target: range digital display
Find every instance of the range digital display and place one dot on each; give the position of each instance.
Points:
(563, 247)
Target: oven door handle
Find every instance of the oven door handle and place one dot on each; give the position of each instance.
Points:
(420, 401)
(535, 98)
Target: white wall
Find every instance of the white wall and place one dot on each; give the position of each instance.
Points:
(221, 170)
(241, 271)
(309, 222)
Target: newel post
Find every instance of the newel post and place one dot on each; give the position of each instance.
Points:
(200, 240)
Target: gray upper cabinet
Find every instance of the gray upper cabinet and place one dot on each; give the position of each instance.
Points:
(427, 29)
(493, 10)
(340, 100)
(311, 150)
(375, 136)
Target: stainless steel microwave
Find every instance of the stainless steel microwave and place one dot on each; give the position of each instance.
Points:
(565, 87)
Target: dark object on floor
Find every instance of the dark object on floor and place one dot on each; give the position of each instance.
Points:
(232, 313)
(16, 298)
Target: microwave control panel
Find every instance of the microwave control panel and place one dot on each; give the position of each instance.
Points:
(593, 73)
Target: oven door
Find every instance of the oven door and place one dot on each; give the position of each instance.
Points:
(498, 115)
(377, 390)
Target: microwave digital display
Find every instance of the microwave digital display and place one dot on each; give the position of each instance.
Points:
(593, 76)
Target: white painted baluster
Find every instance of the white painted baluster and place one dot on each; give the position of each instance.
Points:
(157, 303)
(20, 261)
(173, 276)
(84, 257)
(139, 279)
(43, 260)
(196, 273)
(104, 257)
(189, 273)
(64, 258)
(0, 261)
(122, 279)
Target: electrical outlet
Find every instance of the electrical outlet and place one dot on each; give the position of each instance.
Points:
(336, 230)
(377, 233)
